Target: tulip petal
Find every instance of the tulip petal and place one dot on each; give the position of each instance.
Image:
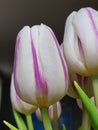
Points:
(72, 46)
(23, 67)
(41, 84)
(19, 104)
(87, 31)
(51, 65)
(61, 57)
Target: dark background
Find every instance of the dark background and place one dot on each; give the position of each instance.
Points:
(14, 14)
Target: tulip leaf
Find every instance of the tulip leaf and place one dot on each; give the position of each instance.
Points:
(80, 128)
(19, 121)
(63, 127)
(10, 126)
(88, 105)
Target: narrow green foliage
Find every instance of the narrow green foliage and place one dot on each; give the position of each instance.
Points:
(19, 121)
(63, 127)
(89, 106)
(11, 127)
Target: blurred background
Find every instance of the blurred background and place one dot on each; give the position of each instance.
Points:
(14, 14)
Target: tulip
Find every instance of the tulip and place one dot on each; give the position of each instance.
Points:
(18, 104)
(50, 112)
(81, 41)
(40, 71)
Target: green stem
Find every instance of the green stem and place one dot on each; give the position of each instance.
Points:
(95, 89)
(85, 120)
(29, 122)
(45, 118)
(55, 117)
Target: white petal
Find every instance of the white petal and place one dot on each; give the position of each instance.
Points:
(71, 52)
(51, 65)
(86, 27)
(18, 103)
(25, 68)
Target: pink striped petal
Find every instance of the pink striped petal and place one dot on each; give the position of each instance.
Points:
(53, 65)
(86, 28)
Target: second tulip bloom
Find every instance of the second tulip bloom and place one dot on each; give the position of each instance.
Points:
(81, 41)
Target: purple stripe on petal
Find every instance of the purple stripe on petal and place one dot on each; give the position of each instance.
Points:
(79, 79)
(41, 84)
(92, 22)
(80, 47)
(81, 51)
(62, 60)
(15, 64)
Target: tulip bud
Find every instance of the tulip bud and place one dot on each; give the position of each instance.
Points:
(81, 41)
(18, 103)
(40, 71)
(50, 112)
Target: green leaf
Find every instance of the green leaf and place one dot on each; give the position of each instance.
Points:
(79, 128)
(11, 127)
(19, 121)
(89, 106)
(63, 127)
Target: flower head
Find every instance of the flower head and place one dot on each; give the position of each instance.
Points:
(81, 41)
(40, 71)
